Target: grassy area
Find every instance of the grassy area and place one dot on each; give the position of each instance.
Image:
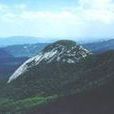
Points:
(10, 106)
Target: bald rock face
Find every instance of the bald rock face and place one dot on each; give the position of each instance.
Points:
(64, 51)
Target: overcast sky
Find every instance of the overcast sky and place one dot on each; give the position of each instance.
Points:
(74, 19)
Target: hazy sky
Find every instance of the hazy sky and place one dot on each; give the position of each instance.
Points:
(78, 19)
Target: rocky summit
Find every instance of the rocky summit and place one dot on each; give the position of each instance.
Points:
(63, 51)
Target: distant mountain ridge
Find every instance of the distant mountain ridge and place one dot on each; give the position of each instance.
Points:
(25, 50)
(16, 40)
(4, 54)
(9, 63)
(101, 46)
(29, 50)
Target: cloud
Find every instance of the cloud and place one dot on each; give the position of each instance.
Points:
(86, 17)
(97, 4)
(97, 10)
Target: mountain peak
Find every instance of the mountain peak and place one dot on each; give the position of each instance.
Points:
(63, 51)
(66, 43)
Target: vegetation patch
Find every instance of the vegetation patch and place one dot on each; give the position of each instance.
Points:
(8, 106)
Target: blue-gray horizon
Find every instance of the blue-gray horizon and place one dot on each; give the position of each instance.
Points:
(75, 20)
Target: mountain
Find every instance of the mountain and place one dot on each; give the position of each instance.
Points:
(101, 46)
(79, 90)
(16, 40)
(25, 50)
(4, 54)
(30, 50)
(64, 51)
(97, 101)
(9, 63)
(49, 84)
